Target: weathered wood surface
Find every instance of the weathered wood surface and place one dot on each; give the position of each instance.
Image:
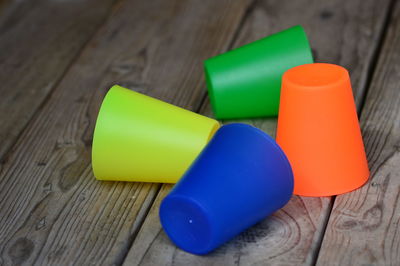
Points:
(38, 42)
(363, 228)
(291, 236)
(52, 210)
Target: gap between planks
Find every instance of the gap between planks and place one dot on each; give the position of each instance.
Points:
(360, 104)
(197, 110)
(363, 227)
(53, 210)
(37, 54)
(144, 249)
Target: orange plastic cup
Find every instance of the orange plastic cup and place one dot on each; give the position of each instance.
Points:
(319, 131)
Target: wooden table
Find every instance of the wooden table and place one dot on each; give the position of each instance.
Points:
(59, 57)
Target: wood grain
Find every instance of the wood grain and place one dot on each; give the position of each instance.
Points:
(52, 210)
(292, 235)
(5, 8)
(364, 225)
(38, 42)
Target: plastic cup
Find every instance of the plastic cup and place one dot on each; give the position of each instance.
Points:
(319, 131)
(139, 138)
(246, 82)
(239, 178)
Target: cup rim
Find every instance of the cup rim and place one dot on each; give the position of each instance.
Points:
(344, 77)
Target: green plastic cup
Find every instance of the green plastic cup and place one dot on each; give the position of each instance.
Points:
(246, 82)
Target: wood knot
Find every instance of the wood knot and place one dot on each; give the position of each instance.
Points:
(41, 224)
(349, 224)
(326, 14)
(374, 184)
(47, 188)
(21, 250)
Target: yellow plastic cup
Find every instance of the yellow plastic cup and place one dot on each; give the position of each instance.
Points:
(139, 138)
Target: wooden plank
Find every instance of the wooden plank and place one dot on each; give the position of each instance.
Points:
(364, 225)
(5, 7)
(292, 235)
(52, 210)
(38, 42)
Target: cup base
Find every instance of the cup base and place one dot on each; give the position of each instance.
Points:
(186, 224)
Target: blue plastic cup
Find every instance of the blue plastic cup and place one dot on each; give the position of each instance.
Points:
(240, 177)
